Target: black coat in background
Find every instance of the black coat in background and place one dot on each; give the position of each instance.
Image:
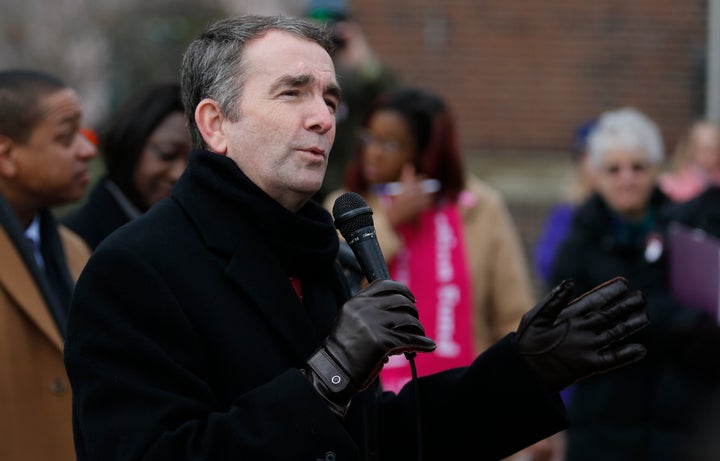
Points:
(185, 338)
(646, 411)
(702, 211)
(702, 342)
(98, 217)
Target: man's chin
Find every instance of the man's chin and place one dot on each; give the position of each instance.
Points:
(312, 183)
(308, 188)
(311, 191)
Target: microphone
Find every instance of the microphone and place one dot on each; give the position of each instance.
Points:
(353, 218)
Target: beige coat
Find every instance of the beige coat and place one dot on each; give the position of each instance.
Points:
(35, 398)
(501, 283)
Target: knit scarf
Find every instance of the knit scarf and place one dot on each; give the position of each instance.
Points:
(433, 265)
(305, 243)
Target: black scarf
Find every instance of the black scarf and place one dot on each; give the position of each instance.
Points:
(305, 242)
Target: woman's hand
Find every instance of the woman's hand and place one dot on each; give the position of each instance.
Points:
(411, 200)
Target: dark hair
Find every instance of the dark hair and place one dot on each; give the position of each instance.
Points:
(121, 143)
(581, 136)
(433, 128)
(21, 91)
(214, 66)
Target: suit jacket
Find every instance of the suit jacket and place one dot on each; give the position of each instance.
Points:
(35, 398)
(199, 358)
(98, 217)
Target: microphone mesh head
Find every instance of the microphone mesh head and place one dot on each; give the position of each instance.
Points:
(351, 213)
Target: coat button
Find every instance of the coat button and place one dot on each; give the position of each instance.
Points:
(58, 386)
(329, 456)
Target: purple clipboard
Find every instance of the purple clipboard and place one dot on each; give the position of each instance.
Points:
(694, 264)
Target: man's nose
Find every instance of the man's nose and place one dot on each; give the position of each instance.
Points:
(321, 119)
(86, 147)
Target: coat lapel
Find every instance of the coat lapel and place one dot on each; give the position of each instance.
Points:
(267, 285)
(276, 302)
(21, 287)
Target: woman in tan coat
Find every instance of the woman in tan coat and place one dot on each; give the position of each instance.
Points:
(409, 170)
(445, 233)
(44, 162)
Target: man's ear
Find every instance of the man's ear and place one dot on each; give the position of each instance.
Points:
(7, 161)
(209, 119)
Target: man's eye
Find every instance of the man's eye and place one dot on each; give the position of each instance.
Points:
(332, 104)
(66, 138)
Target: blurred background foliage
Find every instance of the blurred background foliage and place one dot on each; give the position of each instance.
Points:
(106, 48)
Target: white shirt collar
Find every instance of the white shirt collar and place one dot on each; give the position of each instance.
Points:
(33, 233)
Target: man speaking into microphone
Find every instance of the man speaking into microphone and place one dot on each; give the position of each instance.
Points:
(218, 325)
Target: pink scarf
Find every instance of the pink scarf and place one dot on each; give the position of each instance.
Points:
(433, 265)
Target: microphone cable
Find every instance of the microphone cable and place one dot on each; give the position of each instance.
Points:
(410, 356)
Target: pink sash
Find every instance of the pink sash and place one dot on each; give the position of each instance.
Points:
(433, 265)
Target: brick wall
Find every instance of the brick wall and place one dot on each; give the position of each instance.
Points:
(521, 74)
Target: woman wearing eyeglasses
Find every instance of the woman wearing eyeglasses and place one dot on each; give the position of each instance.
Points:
(445, 233)
(644, 411)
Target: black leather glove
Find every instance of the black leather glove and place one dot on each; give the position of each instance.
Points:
(564, 341)
(381, 320)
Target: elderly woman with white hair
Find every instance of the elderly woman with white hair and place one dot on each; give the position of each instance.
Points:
(626, 153)
(644, 411)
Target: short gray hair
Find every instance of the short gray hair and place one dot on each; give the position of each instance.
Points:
(625, 128)
(213, 66)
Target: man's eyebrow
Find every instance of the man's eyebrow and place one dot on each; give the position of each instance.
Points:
(71, 119)
(334, 90)
(295, 81)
